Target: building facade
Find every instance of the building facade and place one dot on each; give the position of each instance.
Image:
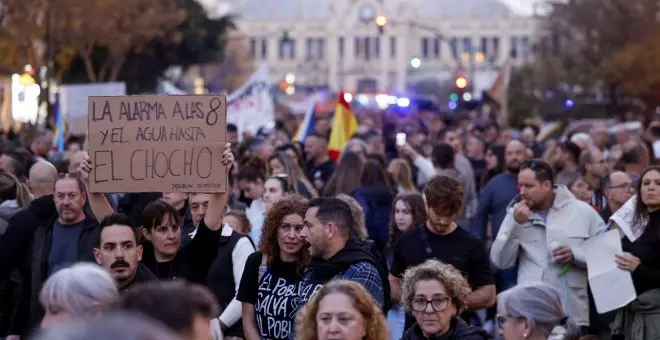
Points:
(337, 43)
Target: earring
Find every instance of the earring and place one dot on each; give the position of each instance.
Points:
(525, 335)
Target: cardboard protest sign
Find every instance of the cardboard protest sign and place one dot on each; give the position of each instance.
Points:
(157, 143)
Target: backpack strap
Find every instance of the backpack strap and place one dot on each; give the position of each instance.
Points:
(262, 267)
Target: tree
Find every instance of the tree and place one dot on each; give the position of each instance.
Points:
(607, 45)
(118, 27)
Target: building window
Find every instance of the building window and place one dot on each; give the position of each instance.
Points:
(483, 46)
(315, 48)
(425, 48)
(367, 48)
(514, 48)
(453, 45)
(264, 48)
(524, 48)
(310, 48)
(321, 48)
(253, 47)
(436, 47)
(341, 47)
(287, 48)
(392, 47)
(467, 45)
(292, 49)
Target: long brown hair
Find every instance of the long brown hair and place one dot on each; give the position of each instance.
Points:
(414, 202)
(345, 179)
(292, 204)
(374, 320)
(641, 209)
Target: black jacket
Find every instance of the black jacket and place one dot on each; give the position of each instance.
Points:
(459, 330)
(36, 265)
(143, 274)
(353, 252)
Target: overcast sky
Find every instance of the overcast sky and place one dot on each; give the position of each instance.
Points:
(521, 6)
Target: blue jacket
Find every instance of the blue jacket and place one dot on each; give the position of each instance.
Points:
(494, 199)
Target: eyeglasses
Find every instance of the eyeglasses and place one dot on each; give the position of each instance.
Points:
(419, 304)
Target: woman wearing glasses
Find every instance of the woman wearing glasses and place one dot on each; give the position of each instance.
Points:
(272, 276)
(435, 294)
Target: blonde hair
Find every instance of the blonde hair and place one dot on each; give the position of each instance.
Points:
(402, 174)
(374, 320)
(12, 189)
(451, 278)
(360, 226)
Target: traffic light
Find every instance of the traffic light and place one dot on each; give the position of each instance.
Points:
(457, 97)
(381, 21)
(461, 83)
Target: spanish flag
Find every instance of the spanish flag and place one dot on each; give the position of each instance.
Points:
(344, 126)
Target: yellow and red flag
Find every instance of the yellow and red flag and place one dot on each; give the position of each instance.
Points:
(344, 126)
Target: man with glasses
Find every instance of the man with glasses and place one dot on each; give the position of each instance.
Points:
(543, 233)
(619, 188)
(68, 237)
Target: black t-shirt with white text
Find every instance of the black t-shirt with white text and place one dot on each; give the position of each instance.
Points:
(275, 297)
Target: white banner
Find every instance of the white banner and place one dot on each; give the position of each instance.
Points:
(251, 106)
(75, 102)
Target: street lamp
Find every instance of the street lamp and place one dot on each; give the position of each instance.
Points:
(416, 62)
(381, 21)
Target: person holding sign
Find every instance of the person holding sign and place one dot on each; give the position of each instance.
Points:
(640, 258)
(161, 226)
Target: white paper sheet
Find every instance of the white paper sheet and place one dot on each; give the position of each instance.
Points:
(624, 218)
(612, 287)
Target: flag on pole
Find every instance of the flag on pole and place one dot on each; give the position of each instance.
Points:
(58, 141)
(307, 125)
(344, 126)
(499, 92)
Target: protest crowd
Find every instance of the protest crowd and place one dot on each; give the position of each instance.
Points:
(352, 228)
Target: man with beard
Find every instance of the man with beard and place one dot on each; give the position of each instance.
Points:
(442, 239)
(543, 233)
(119, 253)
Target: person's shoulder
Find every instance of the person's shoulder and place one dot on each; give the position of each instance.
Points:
(467, 236)
(411, 234)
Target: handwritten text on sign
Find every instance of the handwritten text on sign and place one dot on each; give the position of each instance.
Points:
(157, 143)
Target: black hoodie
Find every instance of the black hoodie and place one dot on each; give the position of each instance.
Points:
(355, 251)
(459, 330)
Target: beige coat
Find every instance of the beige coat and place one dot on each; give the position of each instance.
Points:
(569, 222)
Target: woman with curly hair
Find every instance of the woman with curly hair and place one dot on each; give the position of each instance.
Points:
(272, 275)
(342, 309)
(435, 294)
